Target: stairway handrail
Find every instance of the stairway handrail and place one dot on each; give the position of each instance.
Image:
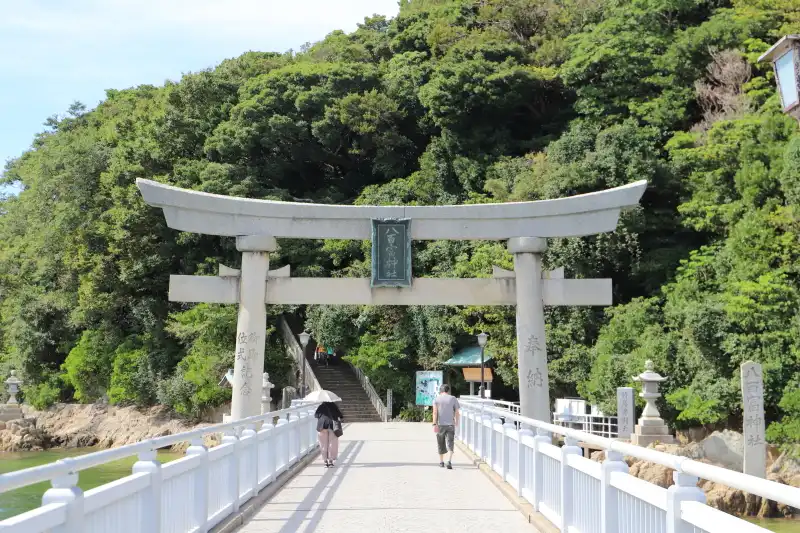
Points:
(373, 395)
(298, 355)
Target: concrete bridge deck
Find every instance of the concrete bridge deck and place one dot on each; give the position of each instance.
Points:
(388, 480)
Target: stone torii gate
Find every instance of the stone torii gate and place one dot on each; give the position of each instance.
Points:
(525, 225)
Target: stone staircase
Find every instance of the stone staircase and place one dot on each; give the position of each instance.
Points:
(340, 380)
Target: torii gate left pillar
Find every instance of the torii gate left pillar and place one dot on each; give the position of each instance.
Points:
(251, 327)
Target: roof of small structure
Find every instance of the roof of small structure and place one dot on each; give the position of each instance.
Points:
(469, 356)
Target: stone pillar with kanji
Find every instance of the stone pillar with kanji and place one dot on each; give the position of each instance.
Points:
(755, 445)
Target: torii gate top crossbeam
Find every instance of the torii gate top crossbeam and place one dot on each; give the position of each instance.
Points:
(212, 214)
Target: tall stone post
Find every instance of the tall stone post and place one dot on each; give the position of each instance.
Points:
(534, 394)
(625, 412)
(251, 328)
(755, 445)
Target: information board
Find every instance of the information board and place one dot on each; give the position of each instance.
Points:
(428, 383)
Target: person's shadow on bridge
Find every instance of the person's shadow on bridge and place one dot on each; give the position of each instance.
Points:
(330, 481)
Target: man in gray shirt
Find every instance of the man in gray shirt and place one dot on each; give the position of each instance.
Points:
(446, 415)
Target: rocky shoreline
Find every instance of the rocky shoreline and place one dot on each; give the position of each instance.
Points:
(83, 426)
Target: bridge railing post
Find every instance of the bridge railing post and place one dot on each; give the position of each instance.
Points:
(151, 499)
(525, 446)
(609, 519)
(65, 490)
(302, 433)
(497, 438)
(469, 428)
(312, 429)
(266, 454)
(294, 436)
(200, 500)
(249, 457)
(282, 446)
(570, 448)
(482, 429)
(509, 431)
(542, 437)
(685, 489)
(232, 482)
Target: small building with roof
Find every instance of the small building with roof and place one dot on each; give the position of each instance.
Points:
(468, 360)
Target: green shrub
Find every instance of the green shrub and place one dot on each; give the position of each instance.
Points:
(46, 393)
(415, 414)
(786, 431)
(133, 377)
(89, 365)
(195, 384)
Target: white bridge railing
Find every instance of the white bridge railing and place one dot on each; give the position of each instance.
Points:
(499, 404)
(188, 495)
(605, 426)
(579, 495)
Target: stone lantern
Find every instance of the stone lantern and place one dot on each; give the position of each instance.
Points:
(13, 383)
(785, 58)
(11, 410)
(266, 394)
(651, 427)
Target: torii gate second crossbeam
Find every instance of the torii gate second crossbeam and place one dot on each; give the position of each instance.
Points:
(526, 225)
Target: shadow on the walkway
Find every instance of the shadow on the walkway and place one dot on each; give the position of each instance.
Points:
(399, 465)
(330, 480)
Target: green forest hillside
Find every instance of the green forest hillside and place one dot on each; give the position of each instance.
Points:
(453, 101)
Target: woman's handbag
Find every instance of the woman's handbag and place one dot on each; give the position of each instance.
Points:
(337, 428)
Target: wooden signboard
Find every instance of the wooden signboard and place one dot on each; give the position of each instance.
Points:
(474, 374)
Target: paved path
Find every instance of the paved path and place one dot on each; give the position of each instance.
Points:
(388, 480)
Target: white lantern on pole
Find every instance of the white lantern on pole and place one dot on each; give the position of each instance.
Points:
(785, 58)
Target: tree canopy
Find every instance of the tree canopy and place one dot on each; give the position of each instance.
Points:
(452, 101)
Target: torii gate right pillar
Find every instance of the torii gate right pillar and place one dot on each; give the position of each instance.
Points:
(534, 392)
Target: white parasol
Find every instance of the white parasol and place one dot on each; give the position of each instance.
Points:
(322, 396)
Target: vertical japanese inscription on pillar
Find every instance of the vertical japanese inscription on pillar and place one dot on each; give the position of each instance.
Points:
(534, 378)
(755, 447)
(625, 412)
(245, 356)
(391, 253)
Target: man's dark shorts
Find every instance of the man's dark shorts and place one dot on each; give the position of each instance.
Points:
(446, 439)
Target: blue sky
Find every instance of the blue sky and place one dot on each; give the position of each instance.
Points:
(53, 52)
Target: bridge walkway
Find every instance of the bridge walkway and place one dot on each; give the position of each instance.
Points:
(388, 480)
